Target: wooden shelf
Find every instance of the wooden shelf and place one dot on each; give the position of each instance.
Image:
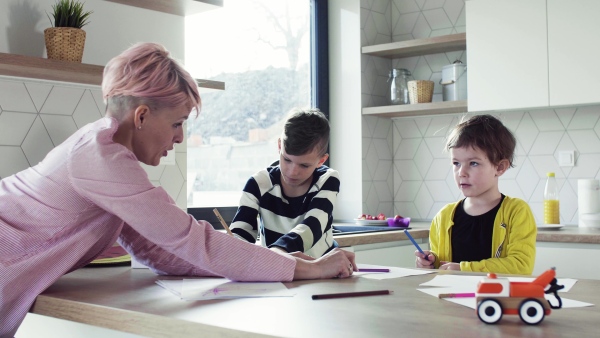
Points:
(64, 71)
(53, 70)
(438, 44)
(177, 7)
(419, 109)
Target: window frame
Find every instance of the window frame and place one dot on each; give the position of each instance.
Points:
(319, 80)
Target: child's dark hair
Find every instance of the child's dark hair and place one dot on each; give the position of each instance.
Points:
(487, 133)
(305, 130)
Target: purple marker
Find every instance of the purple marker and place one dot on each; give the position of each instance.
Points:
(373, 270)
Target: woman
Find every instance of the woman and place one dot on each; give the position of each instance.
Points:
(91, 190)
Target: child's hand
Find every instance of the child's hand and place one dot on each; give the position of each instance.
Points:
(426, 261)
(449, 266)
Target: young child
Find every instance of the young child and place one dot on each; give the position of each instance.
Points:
(294, 196)
(486, 231)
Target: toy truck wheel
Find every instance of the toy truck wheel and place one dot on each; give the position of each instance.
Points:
(531, 311)
(489, 311)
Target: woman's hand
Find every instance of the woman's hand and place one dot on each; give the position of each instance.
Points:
(449, 266)
(302, 255)
(424, 261)
(336, 263)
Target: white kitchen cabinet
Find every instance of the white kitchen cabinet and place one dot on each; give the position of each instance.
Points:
(508, 54)
(572, 260)
(573, 53)
(532, 54)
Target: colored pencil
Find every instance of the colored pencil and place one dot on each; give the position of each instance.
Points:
(222, 221)
(373, 270)
(415, 244)
(456, 295)
(352, 294)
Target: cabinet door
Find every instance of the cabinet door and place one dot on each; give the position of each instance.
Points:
(573, 51)
(507, 50)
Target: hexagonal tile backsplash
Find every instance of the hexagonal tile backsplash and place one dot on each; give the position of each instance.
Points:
(421, 178)
(36, 116)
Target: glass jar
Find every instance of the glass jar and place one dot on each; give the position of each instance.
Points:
(398, 79)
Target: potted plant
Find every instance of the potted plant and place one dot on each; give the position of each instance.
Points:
(65, 39)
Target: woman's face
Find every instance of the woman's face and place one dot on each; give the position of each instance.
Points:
(160, 130)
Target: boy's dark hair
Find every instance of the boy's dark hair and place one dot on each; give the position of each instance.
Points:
(487, 133)
(305, 130)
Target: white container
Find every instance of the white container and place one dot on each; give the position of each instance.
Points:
(588, 196)
(589, 220)
(454, 82)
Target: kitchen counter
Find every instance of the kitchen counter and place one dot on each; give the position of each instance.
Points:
(420, 230)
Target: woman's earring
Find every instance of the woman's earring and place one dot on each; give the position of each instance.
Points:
(140, 128)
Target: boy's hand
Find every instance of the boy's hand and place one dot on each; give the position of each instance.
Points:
(425, 262)
(449, 266)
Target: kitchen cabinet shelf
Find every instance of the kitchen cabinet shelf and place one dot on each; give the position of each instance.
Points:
(177, 7)
(402, 49)
(64, 71)
(418, 109)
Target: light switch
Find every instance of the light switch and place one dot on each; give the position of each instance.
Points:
(566, 158)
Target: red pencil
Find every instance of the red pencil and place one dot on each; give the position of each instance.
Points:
(352, 294)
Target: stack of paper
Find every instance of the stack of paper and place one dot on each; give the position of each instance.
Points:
(222, 288)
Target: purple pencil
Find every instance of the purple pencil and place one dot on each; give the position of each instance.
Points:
(373, 270)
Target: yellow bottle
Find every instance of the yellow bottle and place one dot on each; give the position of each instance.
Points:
(551, 212)
(551, 203)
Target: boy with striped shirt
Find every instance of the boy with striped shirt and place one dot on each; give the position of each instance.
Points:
(295, 196)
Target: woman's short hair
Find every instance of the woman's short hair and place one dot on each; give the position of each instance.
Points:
(305, 130)
(146, 74)
(487, 133)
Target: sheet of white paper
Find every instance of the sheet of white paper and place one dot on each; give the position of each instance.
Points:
(394, 272)
(173, 286)
(221, 288)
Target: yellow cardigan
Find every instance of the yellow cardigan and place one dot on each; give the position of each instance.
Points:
(513, 239)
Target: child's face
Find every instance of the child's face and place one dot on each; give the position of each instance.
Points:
(297, 170)
(474, 174)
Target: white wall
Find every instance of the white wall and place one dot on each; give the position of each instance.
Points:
(113, 27)
(37, 115)
(345, 112)
(404, 170)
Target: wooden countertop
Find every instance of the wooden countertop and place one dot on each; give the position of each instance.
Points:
(420, 230)
(129, 300)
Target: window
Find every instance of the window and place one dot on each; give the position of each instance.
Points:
(272, 56)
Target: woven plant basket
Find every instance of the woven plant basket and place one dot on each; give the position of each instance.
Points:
(420, 91)
(64, 43)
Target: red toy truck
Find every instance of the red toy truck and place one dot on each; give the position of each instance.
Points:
(498, 296)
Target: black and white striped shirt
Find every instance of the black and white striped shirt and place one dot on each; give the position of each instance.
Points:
(301, 223)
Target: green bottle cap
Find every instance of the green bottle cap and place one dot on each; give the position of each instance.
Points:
(550, 174)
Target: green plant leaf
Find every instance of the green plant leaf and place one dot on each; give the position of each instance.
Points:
(69, 13)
